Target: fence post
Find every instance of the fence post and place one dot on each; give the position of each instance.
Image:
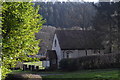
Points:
(24, 67)
(29, 67)
(32, 67)
(37, 68)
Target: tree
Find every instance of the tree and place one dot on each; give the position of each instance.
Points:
(104, 23)
(67, 14)
(0, 50)
(20, 20)
(46, 35)
(118, 10)
(116, 19)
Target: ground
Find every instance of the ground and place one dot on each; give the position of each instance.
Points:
(104, 74)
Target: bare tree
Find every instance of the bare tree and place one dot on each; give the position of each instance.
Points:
(46, 35)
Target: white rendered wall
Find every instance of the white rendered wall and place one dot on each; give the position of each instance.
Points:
(79, 53)
(57, 48)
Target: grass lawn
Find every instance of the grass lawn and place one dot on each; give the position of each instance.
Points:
(104, 74)
(90, 74)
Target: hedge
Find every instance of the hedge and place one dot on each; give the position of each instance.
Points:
(91, 62)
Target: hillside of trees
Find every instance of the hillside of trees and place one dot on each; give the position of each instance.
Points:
(67, 14)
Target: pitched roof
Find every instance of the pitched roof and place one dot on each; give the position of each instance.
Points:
(79, 39)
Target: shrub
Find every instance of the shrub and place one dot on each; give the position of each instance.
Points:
(23, 77)
(68, 64)
(91, 62)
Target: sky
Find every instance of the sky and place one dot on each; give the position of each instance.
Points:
(95, 1)
(67, 0)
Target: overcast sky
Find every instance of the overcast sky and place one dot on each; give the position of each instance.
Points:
(67, 0)
(77, 0)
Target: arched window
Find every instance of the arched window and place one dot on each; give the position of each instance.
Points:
(55, 43)
(67, 55)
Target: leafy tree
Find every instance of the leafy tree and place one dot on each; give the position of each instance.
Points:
(20, 20)
(0, 38)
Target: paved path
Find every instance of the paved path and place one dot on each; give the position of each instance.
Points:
(47, 74)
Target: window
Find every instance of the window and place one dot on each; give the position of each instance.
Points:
(55, 43)
(86, 52)
(67, 55)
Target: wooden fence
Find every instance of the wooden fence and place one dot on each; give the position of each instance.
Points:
(44, 65)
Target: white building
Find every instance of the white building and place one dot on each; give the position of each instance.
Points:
(76, 43)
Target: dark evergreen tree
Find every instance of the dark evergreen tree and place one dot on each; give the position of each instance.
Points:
(67, 14)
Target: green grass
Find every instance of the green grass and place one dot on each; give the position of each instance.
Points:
(105, 74)
(108, 74)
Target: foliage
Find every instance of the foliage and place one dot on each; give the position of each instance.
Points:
(68, 65)
(0, 37)
(67, 14)
(118, 24)
(91, 62)
(20, 21)
(106, 23)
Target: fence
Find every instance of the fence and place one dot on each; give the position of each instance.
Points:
(36, 67)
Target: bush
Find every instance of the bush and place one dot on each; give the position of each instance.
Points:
(91, 62)
(68, 64)
(23, 77)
